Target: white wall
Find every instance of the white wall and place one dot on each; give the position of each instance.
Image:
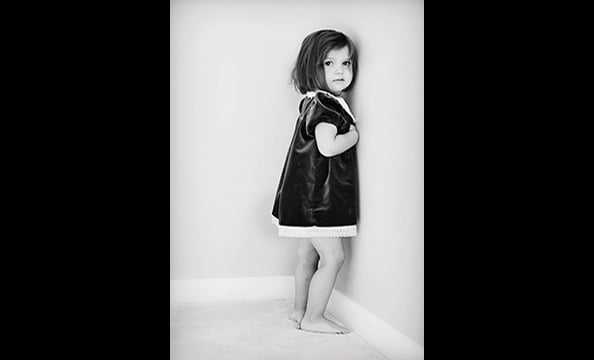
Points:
(232, 117)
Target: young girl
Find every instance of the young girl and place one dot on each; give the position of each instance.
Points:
(317, 196)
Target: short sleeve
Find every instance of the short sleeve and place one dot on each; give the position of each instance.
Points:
(318, 113)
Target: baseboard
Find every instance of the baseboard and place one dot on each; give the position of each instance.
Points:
(387, 340)
(232, 289)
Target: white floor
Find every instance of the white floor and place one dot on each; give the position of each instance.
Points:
(255, 330)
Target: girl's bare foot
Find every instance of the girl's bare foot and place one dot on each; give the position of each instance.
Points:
(296, 316)
(323, 325)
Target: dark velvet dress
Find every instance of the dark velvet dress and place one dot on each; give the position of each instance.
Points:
(317, 196)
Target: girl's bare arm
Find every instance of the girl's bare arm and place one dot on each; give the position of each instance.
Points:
(330, 144)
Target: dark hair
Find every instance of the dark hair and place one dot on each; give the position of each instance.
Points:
(308, 73)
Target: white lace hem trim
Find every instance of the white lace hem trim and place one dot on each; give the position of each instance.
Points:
(315, 231)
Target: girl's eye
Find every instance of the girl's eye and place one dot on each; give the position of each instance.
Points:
(347, 63)
(328, 63)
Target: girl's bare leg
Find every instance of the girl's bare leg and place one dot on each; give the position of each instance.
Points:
(331, 252)
(307, 265)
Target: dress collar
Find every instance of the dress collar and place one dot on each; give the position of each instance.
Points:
(341, 101)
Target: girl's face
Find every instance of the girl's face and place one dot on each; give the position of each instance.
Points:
(338, 70)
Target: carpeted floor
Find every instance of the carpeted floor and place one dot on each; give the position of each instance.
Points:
(255, 330)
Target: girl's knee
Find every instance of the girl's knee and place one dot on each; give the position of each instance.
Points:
(334, 258)
(308, 256)
(331, 251)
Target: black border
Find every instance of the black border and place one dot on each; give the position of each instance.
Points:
(89, 173)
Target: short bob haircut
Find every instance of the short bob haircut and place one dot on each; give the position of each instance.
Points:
(308, 73)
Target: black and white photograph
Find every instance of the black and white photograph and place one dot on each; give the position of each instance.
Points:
(296, 179)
